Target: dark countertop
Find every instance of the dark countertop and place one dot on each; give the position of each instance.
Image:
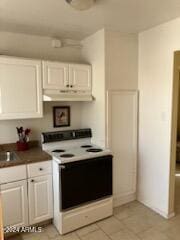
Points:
(33, 155)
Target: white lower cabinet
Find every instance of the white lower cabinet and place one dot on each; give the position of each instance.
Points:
(15, 203)
(28, 196)
(40, 199)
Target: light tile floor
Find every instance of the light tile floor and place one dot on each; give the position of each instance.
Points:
(132, 221)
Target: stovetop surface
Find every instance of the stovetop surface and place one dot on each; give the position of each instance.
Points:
(77, 153)
(71, 145)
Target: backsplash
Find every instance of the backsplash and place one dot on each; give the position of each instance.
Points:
(8, 133)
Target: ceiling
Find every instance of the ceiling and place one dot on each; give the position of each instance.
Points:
(56, 18)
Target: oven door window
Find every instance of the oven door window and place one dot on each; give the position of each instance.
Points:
(85, 181)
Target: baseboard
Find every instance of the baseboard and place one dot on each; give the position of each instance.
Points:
(160, 212)
(171, 215)
(120, 200)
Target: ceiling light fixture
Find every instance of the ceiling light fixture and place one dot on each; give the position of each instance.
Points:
(81, 4)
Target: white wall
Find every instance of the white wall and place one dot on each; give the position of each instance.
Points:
(156, 53)
(8, 127)
(114, 60)
(93, 114)
(121, 61)
(32, 46)
(29, 46)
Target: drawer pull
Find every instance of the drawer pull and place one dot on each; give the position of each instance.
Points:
(40, 169)
(32, 180)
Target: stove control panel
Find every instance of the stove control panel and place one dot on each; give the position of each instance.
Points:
(66, 135)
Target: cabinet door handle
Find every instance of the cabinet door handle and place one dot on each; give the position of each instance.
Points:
(71, 86)
(32, 180)
(67, 85)
(40, 169)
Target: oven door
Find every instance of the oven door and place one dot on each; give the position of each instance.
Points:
(84, 181)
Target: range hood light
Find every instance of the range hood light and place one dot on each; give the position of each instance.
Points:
(55, 95)
(81, 4)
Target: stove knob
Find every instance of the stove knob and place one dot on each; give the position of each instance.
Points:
(73, 134)
(62, 167)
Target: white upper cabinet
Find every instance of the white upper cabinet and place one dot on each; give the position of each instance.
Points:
(80, 77)
(55, 75)
(20, 88)
(21, 84)
(63, 76)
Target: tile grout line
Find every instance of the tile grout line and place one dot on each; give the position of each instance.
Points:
(136, 234)
(105, 233)
(80, 237)
(99, 229)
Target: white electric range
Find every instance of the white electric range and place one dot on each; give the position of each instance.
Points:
(64, 152)
(82, 178)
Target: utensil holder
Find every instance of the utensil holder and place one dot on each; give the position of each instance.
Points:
(22, 146)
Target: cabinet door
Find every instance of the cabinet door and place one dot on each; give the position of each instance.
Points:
(80, 77)
(40, 199)
(20, 88)
(14, 203)
(55, 75)
(122, 140)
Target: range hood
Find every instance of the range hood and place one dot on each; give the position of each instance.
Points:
(56, 95)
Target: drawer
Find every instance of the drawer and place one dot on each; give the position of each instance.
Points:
(39, 169)
(12, 174)
(85, 215)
